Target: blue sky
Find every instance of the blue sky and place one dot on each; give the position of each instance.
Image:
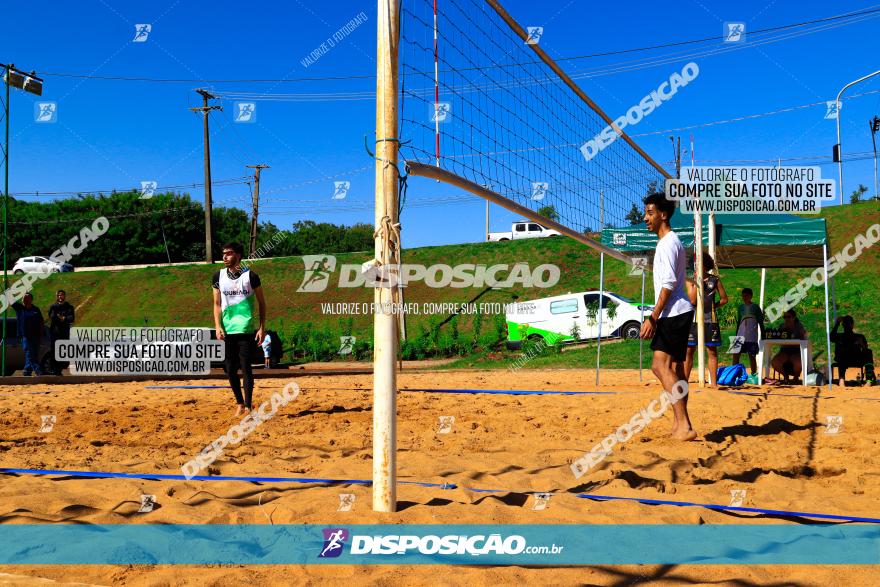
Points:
(115, 134)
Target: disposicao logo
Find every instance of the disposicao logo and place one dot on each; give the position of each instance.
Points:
(334, 541)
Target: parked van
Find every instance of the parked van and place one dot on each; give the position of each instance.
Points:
(573, 317)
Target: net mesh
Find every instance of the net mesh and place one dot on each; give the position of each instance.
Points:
(506, 120)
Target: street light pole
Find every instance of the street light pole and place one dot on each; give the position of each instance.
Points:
(30, 83)
(875, 126)
(838, 147)
(5, 208)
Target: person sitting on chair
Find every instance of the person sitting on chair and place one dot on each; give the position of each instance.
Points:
(851, 350)
(788, 360)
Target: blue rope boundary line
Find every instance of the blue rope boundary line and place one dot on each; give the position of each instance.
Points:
(424, 390)
(712, 506)
(169, 477)
(535, 392)
(307, 480)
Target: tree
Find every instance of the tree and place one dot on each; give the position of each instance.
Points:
(634, 215)
(549, 212)
(856, 196)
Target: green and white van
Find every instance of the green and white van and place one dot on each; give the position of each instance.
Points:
(573, 317)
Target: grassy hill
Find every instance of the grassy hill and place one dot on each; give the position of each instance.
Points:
(181, 296)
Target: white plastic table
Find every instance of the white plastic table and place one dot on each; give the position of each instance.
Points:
(806, 355)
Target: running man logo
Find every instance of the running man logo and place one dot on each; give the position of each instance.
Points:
(346, 344)
(340, 189)
(639, 264)
(446, 423)
(833, 424)
(334, 541)
(542, 500)
(539, 190)
(441, 112)
(736, 344)
(535, 33)
(318, 270)
(141, 32)
(47, 423)
(734, 32)
(245, 112)
(148, 502)
(346, 502)
(832, 109)
(148, 188)
(45, 112)
(737, 497)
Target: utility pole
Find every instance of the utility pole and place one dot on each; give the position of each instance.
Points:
(209, 229)
(30, 83)
(257, 169)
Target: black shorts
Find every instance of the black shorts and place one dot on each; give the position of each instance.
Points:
(713, 334)
(671, 335)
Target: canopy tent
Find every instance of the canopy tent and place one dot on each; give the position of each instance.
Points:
(743, 241)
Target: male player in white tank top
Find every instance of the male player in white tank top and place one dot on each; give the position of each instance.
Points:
(235, 289)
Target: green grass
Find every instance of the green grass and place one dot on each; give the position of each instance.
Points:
(181, 296)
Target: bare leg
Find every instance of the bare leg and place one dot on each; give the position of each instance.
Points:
(734, 358)
(753, 363)
(713, 365)
(689, 363)
(669, 372)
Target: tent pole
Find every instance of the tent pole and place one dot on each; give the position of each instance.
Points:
(763, 279)
(712, 237)
(642, 321)
(834, 299)
(599, 313)
(827, 323)
(698, 281)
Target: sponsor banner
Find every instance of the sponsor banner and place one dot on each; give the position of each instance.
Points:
(568, 544)
(751, 190)
(139, 351)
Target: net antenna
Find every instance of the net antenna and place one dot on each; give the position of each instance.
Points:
(486, 109)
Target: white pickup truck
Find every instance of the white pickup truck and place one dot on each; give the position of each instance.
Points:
(523, 229)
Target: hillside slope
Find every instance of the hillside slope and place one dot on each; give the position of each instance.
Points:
(181, 296)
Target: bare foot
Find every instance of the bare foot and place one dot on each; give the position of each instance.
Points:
(239, 409)
(684, 433)
(247, 411)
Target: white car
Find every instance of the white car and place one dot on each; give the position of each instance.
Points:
(523, 229)
(559, 318)
(43, 265)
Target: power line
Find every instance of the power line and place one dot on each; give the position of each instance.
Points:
(611, 69)
(90, 219)
(849, 15)
(221, 182)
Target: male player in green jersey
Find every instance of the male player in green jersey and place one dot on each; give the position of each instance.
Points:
(235, 288)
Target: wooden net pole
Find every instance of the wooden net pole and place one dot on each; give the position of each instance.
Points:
(387, 247)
